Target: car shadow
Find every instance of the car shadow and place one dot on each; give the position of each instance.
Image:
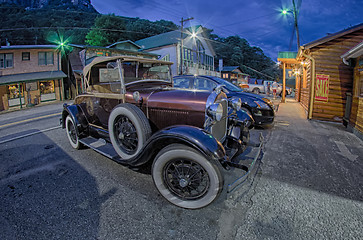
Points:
(45, 194)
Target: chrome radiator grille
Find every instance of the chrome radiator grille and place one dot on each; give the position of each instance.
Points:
(219, 129)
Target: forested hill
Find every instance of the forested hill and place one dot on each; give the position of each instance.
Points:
(73, 21)
(84, 5)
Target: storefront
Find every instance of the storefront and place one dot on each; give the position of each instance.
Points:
(20, 90)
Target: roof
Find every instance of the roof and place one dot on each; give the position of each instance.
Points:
(170, 38)
(121, 42)
(229, 68)
(355, 52)
(97, 60)
(11, 47)
(164, 39)
(112, 49)
(287, 55)
(29, 77)
(333, 36)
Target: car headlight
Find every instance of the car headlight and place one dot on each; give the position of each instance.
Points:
(235, 103)
(268, 101)
(215, 111)
(262, 105)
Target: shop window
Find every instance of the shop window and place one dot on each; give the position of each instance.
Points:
(47, 91)
(46, 58)
(47, 87)
(15, 91)
(6, 60)
(25, 56)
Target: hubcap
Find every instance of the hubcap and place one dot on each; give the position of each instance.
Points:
(126, 134)
(186, 179)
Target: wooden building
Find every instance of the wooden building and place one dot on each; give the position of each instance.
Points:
(234, 75)
(323, 80)
(354, 109)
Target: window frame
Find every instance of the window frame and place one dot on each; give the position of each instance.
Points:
(23, 54)
(4, 62)
(47, 60)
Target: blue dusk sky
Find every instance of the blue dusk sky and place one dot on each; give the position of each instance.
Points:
(259, 22)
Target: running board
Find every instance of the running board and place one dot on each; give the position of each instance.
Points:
(100, 145)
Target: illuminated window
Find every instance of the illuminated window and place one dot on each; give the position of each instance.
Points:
(46, 87)
(14, 91)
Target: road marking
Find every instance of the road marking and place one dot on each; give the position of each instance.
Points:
(28, 120)
(29, 134)
(344, 151)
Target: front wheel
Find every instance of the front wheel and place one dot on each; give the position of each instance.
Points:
(185, 177)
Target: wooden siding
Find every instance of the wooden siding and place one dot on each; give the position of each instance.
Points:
(328, 62)
(356, 115)
(305, 98)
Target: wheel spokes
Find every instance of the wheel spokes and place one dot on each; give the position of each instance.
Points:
(186, 179)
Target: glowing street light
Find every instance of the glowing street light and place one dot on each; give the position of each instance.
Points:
(285, 11)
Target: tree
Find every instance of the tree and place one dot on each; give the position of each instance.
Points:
(107, 29)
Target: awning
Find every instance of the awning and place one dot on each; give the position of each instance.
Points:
(31, 77)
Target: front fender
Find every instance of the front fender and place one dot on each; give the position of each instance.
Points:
(191, 136)
(242, 118)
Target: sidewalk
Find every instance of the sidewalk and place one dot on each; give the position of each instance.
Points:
(311, 185)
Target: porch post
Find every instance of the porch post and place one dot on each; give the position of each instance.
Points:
(283, 84)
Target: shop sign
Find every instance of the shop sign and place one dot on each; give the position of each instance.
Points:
(322, 87)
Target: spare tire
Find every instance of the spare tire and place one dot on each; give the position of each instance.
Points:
(129, 129)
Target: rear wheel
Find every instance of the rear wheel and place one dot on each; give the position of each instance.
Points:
(185, 177)
(72, 133)
(256, 90)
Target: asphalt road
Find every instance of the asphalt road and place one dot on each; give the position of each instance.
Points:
(50, 191)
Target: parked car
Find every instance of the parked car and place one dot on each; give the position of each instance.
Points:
(132, 114)
(262, 88)
(261, 109)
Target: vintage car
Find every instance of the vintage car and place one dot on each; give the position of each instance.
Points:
(132, 114)
(261, 108)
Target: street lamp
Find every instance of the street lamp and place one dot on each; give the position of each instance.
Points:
(181, 43)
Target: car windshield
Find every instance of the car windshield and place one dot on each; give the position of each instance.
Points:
(229, 86)
(134, 71)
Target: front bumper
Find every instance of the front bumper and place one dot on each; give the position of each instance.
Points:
(247, 168)
(263, 117)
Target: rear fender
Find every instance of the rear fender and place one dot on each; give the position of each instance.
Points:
(194, 137)
(77, 115)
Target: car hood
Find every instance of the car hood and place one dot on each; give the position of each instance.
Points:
(245, 95)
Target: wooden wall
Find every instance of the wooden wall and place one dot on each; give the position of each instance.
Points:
(356, 114)
(328, 62)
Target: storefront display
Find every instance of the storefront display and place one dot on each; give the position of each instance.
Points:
(15, 94)
(47, 91)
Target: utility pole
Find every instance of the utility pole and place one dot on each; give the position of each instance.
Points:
(181, 43)
(296, 25)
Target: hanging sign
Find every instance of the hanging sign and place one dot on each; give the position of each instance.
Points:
(322, 87)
